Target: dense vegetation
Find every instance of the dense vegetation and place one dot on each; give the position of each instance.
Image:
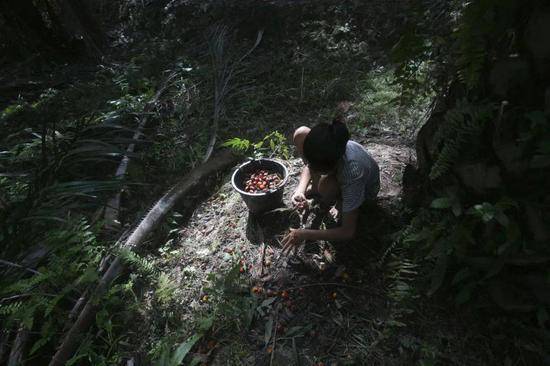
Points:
(484, 159)
(103, 106)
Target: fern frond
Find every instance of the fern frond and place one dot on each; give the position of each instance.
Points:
(27, 284)
(461, 125)
(10, 309)
(141, 264)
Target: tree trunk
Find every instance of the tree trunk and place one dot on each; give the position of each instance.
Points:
(16, 354)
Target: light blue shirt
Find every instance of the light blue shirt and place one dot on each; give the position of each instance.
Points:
(358, 175)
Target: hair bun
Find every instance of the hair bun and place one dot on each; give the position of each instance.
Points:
(340, 133)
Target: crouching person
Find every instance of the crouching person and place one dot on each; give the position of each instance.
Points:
(337, 170)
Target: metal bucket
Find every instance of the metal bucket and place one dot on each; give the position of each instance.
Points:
(260, 202)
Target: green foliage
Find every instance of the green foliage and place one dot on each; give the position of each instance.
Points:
(382, 104)
(479, 255)
(42, 297)
(179, 139)
(238, 144)
(461, 128)
(483, 245)
(473, 27)
(175, 358)
(231, 311)
(272, 145)
(11, 308)
(166, 289)
(58, 155)
(138, 263)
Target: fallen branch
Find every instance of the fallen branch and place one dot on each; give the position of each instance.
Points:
(15, 265)
(112, 209)
(150, 222)
(113, 206)
(16, 354)
(276, 326)
(78, 305)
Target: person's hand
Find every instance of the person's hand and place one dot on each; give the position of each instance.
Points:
(299, 200)
(292, 240)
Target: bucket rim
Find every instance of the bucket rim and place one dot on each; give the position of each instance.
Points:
(281, 186)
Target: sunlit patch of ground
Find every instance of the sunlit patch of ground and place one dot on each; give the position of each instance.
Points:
(317, 301)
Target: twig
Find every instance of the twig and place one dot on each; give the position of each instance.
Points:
(78, 305)
(302, 86)
(335, 340)
(112, 208)
(263, 260)
(262, 241)
(256, 44)
(14, 297)
(274, 339)
(11, 264)
(295, 350)
(217, 50)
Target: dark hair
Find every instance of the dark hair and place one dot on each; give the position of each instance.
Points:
(325, 144)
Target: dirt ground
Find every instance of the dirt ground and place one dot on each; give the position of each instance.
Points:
(314, 302)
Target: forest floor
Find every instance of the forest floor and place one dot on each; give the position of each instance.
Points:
(330, 304)
(314, 302)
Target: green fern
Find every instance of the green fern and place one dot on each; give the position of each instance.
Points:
(238, 144)
(141, 264)
(9, 309)
(476, 30)
(461, 125)
(27, 284)
(272, 145)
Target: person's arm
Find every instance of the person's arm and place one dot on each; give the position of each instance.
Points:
(305, 177)
(344, 232)
(299, 195)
